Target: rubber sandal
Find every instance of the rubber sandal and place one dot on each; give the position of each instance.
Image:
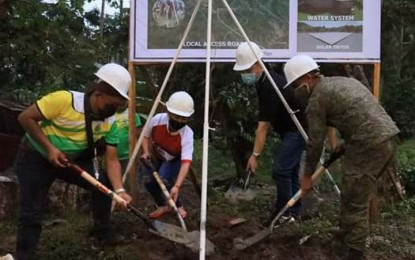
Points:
(182, 212)
(159, 212)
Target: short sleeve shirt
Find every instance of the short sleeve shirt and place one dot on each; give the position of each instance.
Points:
(166, 146)
(64, 123)
(123, 133)
(271, 108)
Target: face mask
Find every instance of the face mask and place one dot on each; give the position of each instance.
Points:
(302, 93)
(175, 125)
(249, 78)
(107, 111)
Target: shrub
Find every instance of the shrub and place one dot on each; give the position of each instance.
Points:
(406, 165)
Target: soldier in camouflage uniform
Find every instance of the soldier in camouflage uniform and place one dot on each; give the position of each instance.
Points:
(369, 140)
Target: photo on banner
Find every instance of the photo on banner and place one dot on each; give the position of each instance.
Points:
(328, 30)
(330, 26)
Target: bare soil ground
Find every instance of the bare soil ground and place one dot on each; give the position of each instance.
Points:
(67, 239)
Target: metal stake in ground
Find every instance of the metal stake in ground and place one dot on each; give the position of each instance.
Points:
(241, 244)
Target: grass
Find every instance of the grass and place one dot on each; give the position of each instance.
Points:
(393, 236)
(221, 166)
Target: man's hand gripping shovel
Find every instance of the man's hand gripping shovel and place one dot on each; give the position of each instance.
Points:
(241, 244)
(168, 231)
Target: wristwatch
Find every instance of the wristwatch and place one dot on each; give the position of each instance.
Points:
(119, 191)
(255, 154)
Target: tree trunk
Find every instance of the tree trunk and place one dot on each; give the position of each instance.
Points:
(4, 9)
(8, 197)
(102, 18)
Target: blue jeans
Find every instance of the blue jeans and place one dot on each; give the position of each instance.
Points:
(287, 159)
(36, 175)
(168, 172)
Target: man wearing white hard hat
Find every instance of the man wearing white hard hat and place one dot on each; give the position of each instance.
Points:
(274, 116)
(369, 140)
(56, 133)
(168, 149)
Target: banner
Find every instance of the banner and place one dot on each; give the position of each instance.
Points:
(327, 30)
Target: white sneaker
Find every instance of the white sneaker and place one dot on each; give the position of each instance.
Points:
(283, 220)
(7, 257)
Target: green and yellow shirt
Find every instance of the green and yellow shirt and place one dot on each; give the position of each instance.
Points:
(65, 123)
(123, 134)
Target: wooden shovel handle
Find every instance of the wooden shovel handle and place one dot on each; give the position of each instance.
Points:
(164, 189)
(96, 183)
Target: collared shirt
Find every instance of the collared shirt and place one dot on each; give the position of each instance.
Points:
(123, 133)
(347, 105)
(271, 108)
(64, 123)
(167, 146)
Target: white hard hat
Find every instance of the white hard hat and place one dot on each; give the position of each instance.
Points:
(168, 13)
(298, 66)
(117, 76)
(180, 103)
(245, 58)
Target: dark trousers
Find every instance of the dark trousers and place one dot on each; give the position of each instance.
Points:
(286, 169)
(36, 175)
(168, 172)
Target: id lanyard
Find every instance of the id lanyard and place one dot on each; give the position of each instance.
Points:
(95, 163)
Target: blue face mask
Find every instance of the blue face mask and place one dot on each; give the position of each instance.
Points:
(249, 78)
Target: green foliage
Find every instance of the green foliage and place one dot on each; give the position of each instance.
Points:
(399, 100)
(406, 165)
(319, 227)
(407, 206)
(240, 102)
(48, 46)
(398, 57)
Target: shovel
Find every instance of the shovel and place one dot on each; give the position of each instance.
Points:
(239, 189)
(166, 193)
(241, 244)
(168, 231)
(169, 199)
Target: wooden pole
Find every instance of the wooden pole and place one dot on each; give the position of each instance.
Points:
(374, 200)
(132, 129)
(376, 80)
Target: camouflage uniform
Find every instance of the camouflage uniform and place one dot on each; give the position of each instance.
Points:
(370, 142)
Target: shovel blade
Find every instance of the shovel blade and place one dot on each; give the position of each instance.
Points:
(239, 190)
(180, 236)
(236, 194)
(241, 244)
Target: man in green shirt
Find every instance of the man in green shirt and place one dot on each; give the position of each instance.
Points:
(56, 133)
